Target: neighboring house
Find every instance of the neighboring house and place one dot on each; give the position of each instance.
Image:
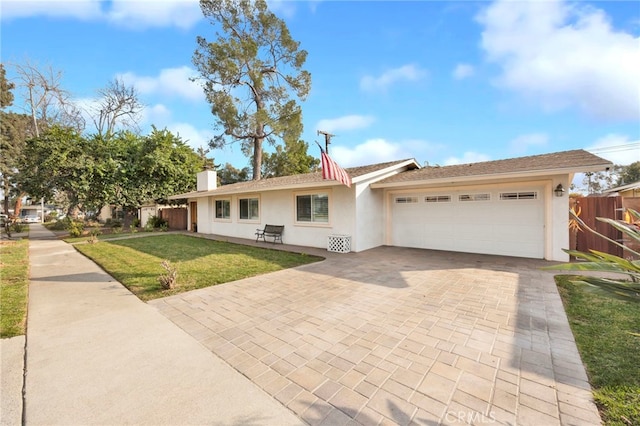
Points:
(110, 212)
(625, 191)
(33, 211)
(513, 207)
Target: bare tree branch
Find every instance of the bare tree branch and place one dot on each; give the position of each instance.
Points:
(46, 101)
(118, 105)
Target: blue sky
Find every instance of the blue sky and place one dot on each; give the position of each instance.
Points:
(443, 82)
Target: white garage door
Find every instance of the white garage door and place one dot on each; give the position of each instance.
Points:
(505, 222)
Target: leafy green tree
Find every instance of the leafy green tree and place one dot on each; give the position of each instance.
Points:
(6, 96)
(596, 182)
(229, 174)
(290, 160)
(14, 130)
(629, 174)
(164, 165)
(207, 163)
(111, 179)
(126, 169)
(250, 73)
(58, 161)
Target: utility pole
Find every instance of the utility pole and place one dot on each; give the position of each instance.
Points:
(327, 140)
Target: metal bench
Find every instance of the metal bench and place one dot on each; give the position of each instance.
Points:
(274, 231)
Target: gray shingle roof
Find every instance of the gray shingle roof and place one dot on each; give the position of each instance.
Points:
(572, 161)
(288, 181)
(566, 161)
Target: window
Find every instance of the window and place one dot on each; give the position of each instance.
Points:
(528, 195)
(406, 200)
(437, 199)
(474, 197)
(223, 209)
(312, 208)
(249, 209)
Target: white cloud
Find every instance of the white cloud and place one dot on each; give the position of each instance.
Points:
(170, 82)
(462, 71)
(467, 157)
(132, 14)
(79, 9)
(381, 83)
(561, 55)
(522, 143)
(193, 137)
(161, 117)
(157, 115)
(619, 149)
(155, 13)
(347, 122)
(285, 8)
(370, 152)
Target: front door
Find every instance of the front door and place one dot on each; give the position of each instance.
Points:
(194, 216)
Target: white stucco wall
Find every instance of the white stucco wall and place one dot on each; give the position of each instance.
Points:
(366, 218)
(278, 208)
(145, 213)
(557, 220)
(205, 216)
(369, 216)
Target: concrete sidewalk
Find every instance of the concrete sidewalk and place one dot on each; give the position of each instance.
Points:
(96, 354)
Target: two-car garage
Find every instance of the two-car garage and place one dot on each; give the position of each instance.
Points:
(493, 220)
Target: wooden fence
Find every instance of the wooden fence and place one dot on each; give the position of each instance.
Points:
(175, 217)
(590, 208)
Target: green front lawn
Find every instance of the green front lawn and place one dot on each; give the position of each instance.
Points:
(607, 333)
(14, 287)
(200, 262)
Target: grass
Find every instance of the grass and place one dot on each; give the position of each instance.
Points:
(607, 333)
(14, 276)
(200, 262)
(102, 237)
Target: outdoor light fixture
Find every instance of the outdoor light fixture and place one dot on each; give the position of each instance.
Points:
(559, 190)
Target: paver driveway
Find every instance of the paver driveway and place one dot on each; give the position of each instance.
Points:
(399, 336)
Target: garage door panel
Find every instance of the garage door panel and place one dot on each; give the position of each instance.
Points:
(484, 224)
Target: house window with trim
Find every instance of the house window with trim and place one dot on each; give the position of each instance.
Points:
(223, 209)
(312, 208)
(249, 208)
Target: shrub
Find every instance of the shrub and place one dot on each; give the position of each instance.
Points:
(61, 225)
(135, 223)
(157, 222)
(93, 236)
(76, 228)
(18, 227)
(597, 261)
(115, 223)
(168, 280)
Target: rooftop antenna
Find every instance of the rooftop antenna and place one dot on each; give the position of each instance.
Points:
(327, 140)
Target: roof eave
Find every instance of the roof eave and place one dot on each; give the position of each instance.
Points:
(222, 191)
(385, 171)
(493, 176)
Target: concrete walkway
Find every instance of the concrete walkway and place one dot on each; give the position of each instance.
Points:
(96, 354)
